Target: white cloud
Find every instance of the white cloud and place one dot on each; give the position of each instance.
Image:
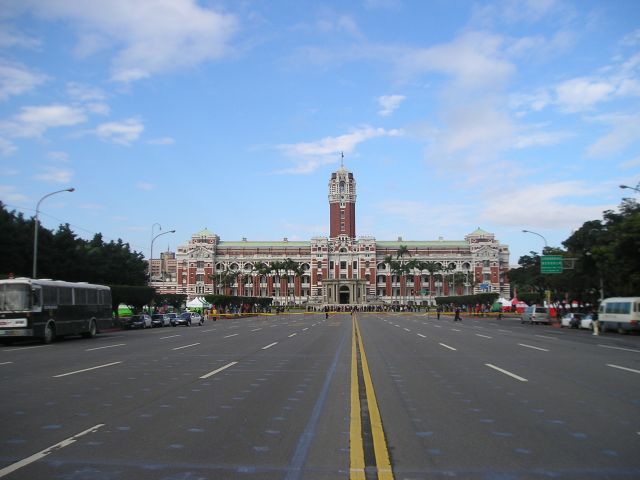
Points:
(8, 193)
(580, 94)
(543, 205)
(308, 157)
(162, 141)
(624, 132)
(58, 156)
(16, 79)
(633, 163)
(389, 104)
(475, 61)
(6, 147)
(150, 36)
(123, 133)
(146, 186)
(55, 175)
(34, 121)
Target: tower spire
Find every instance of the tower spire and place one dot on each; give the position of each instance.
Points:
(341, 159)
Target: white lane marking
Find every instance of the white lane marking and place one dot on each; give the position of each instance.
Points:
(19, 349)
(421, 335)
(232, 335)
(447, 346)
(270, 345)
(531, 346)
(210, 330)
(620, 348)
(305, 329)
(504, 331)
(170, 336)
(256, 329)
(483, 336)
(86, 369)
(544, 336)
(5, 363)
(106, 346)
(407, 330)
(186, 346)
(513, 375)
(438, 326)
(43, 453)
(292, 335)
(455, 330)
(623, 368)
(211, 374)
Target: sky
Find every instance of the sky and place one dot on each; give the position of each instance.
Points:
(231, 115)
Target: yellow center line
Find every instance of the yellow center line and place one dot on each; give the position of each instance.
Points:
(356, 450)
(381, 451)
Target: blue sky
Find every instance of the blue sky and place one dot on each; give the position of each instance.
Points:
(231, 115)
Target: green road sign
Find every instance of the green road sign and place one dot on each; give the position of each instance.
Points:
(551, 264)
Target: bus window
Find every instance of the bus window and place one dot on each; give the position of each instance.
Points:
(14, 297)
(36, 299)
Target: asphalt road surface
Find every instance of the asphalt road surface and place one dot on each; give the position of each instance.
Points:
(401, 396)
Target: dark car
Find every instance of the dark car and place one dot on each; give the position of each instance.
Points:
(160, 320)
(137, 321)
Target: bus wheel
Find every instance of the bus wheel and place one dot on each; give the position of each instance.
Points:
(49, 333)
(92, 331)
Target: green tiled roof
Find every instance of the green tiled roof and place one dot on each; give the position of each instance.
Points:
(279, 244)
(422, 243)
(480, 231)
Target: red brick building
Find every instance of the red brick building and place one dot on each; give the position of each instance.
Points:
(341, 268)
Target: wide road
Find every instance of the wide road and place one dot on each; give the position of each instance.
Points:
(400, 396)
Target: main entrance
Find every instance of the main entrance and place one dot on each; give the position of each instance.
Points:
(344, 295)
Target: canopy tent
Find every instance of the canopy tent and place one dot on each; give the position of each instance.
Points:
(198, 302)
(501, 305)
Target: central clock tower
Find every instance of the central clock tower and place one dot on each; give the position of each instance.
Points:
(342, 204)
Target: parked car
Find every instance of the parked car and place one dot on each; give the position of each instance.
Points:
(535, 315)
(188, 318)
(571, 320)
(160, 320)
(587, 322)
(171, 316)
(138, 321)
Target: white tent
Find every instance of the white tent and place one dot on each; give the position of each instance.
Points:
(198, 302)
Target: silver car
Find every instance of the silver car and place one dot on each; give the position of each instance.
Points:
(535, 315)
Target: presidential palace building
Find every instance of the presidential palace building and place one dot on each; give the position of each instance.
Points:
(339, 269)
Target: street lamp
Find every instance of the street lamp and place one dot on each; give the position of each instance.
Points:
(153, 240)
(630, 188)
(35, 233)
(150, 259)
(535, 233)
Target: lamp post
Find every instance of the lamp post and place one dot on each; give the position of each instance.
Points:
(630, 188)
(535, 233)
(35, 233)
(153, 240)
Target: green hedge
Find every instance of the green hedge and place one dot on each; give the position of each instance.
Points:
(469, 300)
(226, 300)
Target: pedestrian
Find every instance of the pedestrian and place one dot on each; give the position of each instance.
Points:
(595, 323)
(456, 317)
(326, 312)
(439, 311)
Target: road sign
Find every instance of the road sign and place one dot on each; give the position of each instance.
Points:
(551, 264)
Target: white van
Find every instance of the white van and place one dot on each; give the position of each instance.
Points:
(620, 313)
(535, 314)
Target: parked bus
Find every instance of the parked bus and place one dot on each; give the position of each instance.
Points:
(620, 313)
(47, 309)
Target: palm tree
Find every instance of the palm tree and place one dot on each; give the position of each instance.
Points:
(459, 279)
(400, 253)
(388, 260)
(263, 270)
(413, 265)
(432, 268)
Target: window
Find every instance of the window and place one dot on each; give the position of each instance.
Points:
(343, 265)
(200, 264)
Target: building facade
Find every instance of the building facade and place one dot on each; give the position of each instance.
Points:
(339, 269)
